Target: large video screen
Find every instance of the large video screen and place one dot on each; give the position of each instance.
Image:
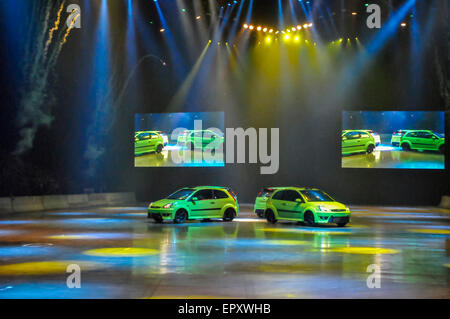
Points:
(393, 139)
(179, 139)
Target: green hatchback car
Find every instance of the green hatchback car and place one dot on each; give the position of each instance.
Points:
(309, 205)
(200, 139)
(202, 202)
(422, 140)
(147, 142)
(357, 141)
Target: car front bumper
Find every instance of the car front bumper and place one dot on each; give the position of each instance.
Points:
(160, 212)
(332, 218)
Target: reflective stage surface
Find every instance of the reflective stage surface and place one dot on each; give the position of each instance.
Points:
(122, 254)
(386, 156)
(174, 155)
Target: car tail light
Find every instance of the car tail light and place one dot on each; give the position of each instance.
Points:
(233, 194)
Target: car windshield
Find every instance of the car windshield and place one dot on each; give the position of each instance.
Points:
(439, 135)
(181, 194)
(316, 196)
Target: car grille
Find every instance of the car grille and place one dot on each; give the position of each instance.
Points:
(155, 207)
(338, 210)
(339, 220)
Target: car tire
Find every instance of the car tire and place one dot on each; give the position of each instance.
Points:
(341, 224)
(229, 214)
(158, 219)
(405, 147)
(370, 149)
(270, 216)
(308, 219)
(180, 217)
(159, 148)
(442, 149)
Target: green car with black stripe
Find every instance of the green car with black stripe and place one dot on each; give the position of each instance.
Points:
(200, 139)
(308, 205)
(147, 142)
(261, 200)
(201, 202)
(422, 140)
(357, 141)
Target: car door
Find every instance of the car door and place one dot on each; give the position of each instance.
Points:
(290, 207)
(413, 138)
(142, 143)
(221, 199)
(279, 203)
(350, 142)
(204, 206)
(430, 141)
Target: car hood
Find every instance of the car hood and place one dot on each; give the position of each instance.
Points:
(165, 201)
(331, 205)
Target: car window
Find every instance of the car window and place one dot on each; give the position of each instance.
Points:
(315, 195)
(278, 195)
(412, 134)
(352, 135)
(291, 195)
(204, 194)
(426, 135)
(218, 194)
(364, 135)
(181, 194)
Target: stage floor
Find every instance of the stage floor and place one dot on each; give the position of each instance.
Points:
(122, 254)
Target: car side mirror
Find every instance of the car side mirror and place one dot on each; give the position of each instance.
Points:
(299, 200)
(193, 199)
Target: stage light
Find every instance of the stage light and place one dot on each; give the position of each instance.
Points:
(354, 13)
(305, 26)
(403, 24)
(268, 39)
(297, 39)
(271, 30)
(251, 27)
(310, 25)
(299, 27)
(198, 17)
(293, 29)
(258, 28)
(286, 37)
(162, 30)
(288, 30)
(245, 26)
(265, 30)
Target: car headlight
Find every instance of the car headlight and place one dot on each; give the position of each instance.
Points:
(150, 205)
(168, 205)
(324, 209)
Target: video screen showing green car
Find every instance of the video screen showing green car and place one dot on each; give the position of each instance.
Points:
(357, 141)
(307, 205)
(200, 139)
(261, 200)
(422, 140)
(201, 202)
(147, 142)
(402, 139)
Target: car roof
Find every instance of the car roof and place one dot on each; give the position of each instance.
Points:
(297, 188)
(139, 132)
(208, 187)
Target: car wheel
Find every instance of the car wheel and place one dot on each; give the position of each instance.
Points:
(159, 148)
(370, 149)
(309, 219)
(228, 216)
(158, 219)
(405, 147)
(271, 217)
(341, 224)
(442, 149)
(180, 217)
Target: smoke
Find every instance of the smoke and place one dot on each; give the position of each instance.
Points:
(43, 47)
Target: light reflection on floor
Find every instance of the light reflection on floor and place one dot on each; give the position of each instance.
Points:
(124, 255)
